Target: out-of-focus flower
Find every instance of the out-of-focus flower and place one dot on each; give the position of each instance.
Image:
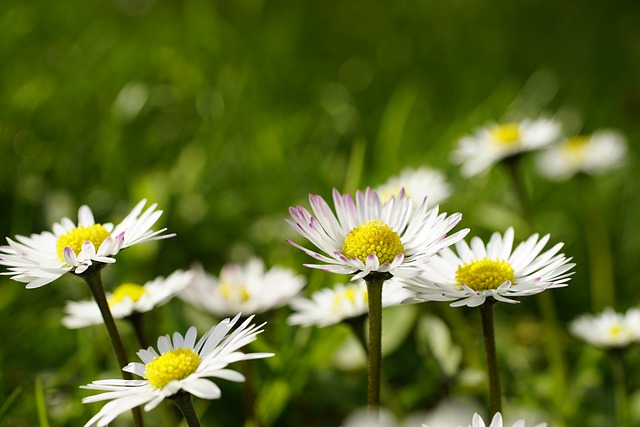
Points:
(367, 236)
(477, 421)
(490, 144)
(418, 184)
(127, 299)
(609, 328)
(246, 288)
(477, 272)
(42, 258)
(592, 154)
(179, 365)
(454, 412)
(332, 305)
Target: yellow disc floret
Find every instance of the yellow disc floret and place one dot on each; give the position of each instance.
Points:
(233, 292)
(372, 237)
(127, 290)
(506, 134)
(349, 294)
(174, 365)
(574, 148)
(74, 239)
(484, 274)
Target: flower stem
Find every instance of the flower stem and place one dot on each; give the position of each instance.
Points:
(184, 402)
(374, 290)
(94, 280)
(488, 333)
(519, 188)
(622, 406)
(136, 320)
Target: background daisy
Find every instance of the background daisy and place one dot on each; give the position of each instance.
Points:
(496, 421)
(418, 184)
(608, 329)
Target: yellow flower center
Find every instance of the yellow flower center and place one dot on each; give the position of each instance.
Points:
(236, 292)
(574, 147)
(174, 365)
(506, 134)
(74, 239)
(372, 237)
(616, 330)
(484, 274)
(349, 293)
(127, 290)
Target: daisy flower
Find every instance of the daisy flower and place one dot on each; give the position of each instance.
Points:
(42, 258)
(418, 184)
(332, 305)
(492, 143)
(127, 299)
(248, 288)
(477, 421)
(179, 365)
(593, 154)
(478, 272)
(367, 236)
(608, 329)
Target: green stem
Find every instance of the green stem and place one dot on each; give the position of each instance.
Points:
(488, 333)
(513, 169)
(184, 402)
(374, 291)
(136, 320)
(622, 406)
(94, 280)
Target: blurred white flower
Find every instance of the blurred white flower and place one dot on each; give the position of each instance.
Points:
(492, 143)
(246, 288)
(592, 154)
(453, 412)
(418, 184)
(609, 328)
(477, 421)
(127, 299)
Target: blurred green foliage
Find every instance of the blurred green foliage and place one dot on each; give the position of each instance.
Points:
(227, 113)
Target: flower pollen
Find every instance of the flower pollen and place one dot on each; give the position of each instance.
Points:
(74, 239)
(506, 134)
(484, 274)
(372, 237)
(233, 292)
(171, 366)
(127, 290)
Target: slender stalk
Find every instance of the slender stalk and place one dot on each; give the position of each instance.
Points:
(513, 169)
(184, 402)
(94, 280)
(374, 290)
(137, 322)
(619, 375)
(488, 333)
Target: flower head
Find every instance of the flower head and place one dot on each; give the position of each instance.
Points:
(332, 305)
(248, 288)
(593, 154)
(608, 329)
(417, 184)
(42, 258)
(477, 421)
(490, 144)
(127, 299)
(477, 271)
(367, 236)
(179, 364)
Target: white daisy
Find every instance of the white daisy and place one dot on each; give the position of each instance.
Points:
(492, 143)
(477, 272)
(332, 305)
(418, 184)
(127, 299)
(178, 365)
(608, 329)
(42, 258)
(248, 288)
(477, 421)
(593, 154)
(368, 236)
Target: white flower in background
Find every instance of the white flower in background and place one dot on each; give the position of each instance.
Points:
(453, 412)
(418, 184)
(179, 364)
(490, 144)
(367, 236)
(609, 328)
(127, 299)
(331, 305)
(247, 288)
(477, 421)
(593, 154)
(42, 258)
(477, 272)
